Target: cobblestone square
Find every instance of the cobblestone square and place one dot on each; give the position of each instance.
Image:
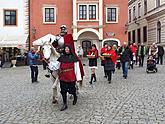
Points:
(139, 99)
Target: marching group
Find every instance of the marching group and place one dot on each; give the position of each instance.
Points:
(69, 68)
(124, 56)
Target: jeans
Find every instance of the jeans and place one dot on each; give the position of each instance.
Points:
(125, 68)
(141, 60)
(34, 73)
(160, 57)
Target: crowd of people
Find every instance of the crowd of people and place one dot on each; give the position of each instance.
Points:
(70, 69)
(125, 56)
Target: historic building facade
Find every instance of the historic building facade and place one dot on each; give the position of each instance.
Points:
(14, 28)
(137, 29)
(90, 21)
(146, 21)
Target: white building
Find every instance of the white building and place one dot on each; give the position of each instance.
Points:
(156, 21)
(137, 23)
(14, 27)
(146, 21)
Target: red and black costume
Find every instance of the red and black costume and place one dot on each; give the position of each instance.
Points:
(93, 61)
(68, 76)
(67, 39)
(109, 63)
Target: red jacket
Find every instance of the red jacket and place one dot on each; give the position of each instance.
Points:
(113, 55)
(103, 50)
(133, 49)
(93, 52)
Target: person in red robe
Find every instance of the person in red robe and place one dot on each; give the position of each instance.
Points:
(67, 39)
(69, 74)
(110, 61)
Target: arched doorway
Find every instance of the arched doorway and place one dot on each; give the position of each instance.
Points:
(86, 45)
(86, 39)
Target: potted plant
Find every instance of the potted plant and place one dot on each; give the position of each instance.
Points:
(14, 61)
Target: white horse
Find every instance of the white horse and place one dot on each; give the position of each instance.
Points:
(51, 56)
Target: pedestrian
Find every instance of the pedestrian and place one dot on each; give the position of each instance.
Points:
(0, 60)
(133, 57)
(69, 74)
(153, 50)
(32, 59)
(160, 54)
(93, 56)
(118, 60)
(103, 50)
(125, 58)
(80, 51)
(110, 61)
(141, 54)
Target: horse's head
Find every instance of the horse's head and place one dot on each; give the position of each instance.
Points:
(46, 49)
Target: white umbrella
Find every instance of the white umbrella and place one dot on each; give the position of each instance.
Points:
(42, 40)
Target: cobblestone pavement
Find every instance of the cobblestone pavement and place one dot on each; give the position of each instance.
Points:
(139, 99)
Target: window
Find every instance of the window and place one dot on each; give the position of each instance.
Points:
(129, 15)
(88, 12)
(159, 32)
(83, 12)
(145, 7)
(139, 35)
(112, 15)
(92, 11)
(157, 3)
(129, 37)
(134, 12)
(10, 17)
(139, 8)
(49, 15)
(145, 34)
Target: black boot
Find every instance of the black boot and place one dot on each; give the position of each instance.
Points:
(94, 75)
(64, 97)
(64, 107)
(91, 79)
(75, 99)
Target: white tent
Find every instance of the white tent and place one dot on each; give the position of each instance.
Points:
(43, 39)
(13, 41)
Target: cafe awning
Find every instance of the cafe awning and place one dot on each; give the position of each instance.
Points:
(13, 41)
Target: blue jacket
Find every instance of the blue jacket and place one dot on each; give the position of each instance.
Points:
(32, 58)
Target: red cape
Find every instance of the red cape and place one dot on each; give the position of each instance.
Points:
(68, 40)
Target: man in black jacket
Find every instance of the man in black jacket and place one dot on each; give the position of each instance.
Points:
(160, 54)
(126, 55)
